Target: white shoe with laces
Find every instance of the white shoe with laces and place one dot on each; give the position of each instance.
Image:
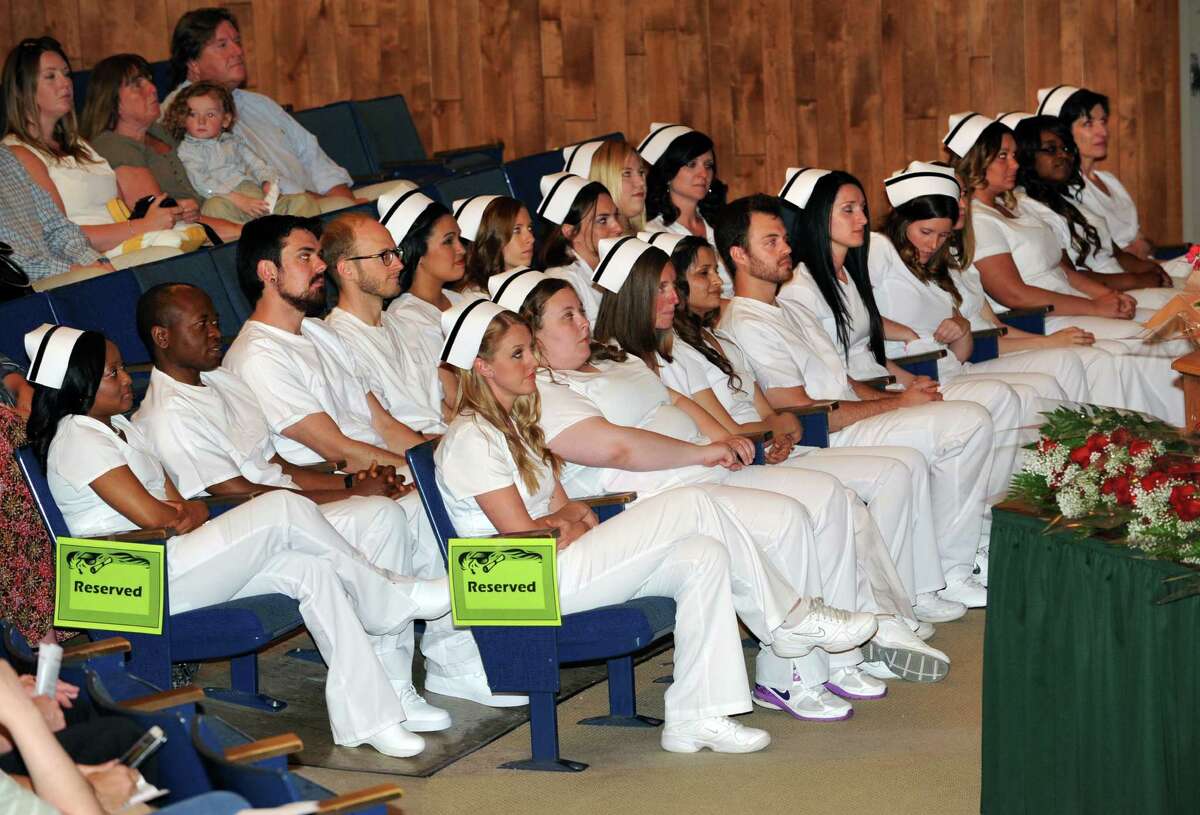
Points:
(422, 716)
(808, 704)
(931, 608)
(850, 682)
(720, 734)
(968, 591)
(903, 654)
(825, 627)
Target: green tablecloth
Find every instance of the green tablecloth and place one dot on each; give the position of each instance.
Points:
(1090, 692)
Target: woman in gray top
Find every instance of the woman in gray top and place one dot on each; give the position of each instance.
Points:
(120, 116)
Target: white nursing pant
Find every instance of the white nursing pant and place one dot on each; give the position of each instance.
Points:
(956, 440)
(281, 543)
(1059, 365)
(655, 549)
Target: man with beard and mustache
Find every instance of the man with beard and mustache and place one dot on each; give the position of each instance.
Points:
(363, 264)
(301, 374)
(792, 356)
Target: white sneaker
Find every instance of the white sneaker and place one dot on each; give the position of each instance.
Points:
(904, 654)
(852, 683)
(831, 629)
(472, 687)
(968, 591)
(922, 629)
(877, 669)
(808, 704)
(981, 564)
(931, 608)
(395, 741)
(720, 734)
(422, 716)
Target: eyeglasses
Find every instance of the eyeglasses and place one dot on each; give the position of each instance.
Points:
(387, 257)
(1055, 149)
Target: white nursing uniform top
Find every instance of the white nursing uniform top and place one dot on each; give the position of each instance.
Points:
(418, 324)
(1034, 248)
(689, 372)
(472, 459)
(209, 433)
(627, 394)
(403, 378)
(787, 347)
(85, 187)
(1116, 207)
(1102, 260)
(802, 289)
(710, 235)
(83, 449)
(579, 274)
(293, 376)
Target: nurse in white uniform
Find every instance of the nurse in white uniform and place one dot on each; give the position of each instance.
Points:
(683, 194)
(277, 543)
(707, 365)
(496, 473)
(795, 363)
(499, 235)
(618, 166)
(618, 427)
(583, 213)
(1018, 256)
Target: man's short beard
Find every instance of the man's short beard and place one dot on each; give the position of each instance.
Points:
(770, 274)
(312, 305)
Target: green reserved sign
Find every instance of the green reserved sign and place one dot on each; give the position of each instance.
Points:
(504, 581)
(108, 584)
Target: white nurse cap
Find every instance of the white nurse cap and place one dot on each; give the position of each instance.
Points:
(666, 241)
(800, 183)
(509, 289)
(464, 326)
(1011, 120)
(920, 178)
(617, 257)
(559, 191)
(965, 130)
(1051, 100)
(659, 139)
(577, 158)
(49, 349)
(400, 208)
(469, 213)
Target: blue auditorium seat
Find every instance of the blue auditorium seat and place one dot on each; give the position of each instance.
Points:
(105, 304)
(336, 128)
(235, 630)
(489, 181)
(391, 135)
(526, 660)
(525, 174)
(198, 269)
(20, 316)
(224, 259)
(986, 344)
(921, 364)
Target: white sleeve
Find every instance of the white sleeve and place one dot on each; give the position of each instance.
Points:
(991, 237)
(563, 408)
(472, 461)
(770, 353)
(281, 393)
(190, 453)
(89, 453)
(686, 373)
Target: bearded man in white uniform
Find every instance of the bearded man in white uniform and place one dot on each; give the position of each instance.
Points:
(305, 383)
(796, 364)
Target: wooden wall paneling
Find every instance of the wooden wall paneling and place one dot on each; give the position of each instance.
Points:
(1005, 26)
(691, 74)
(611, 90)
(1123, 140)
(979, 24)
(1097, 25)
(1042, 41)
(661, 84)
(478, 124)
(829, 20)
(891, 84)
(637, 100)
(865, 125)
(61, 19)
(1073, 38)
(446, 41)
(779, 90)
(1159, 134)
(723, 88)
(749, 109)
(981, 92)
(318, 61)
(803, 81)
(405, 41)
(918, 34)
(923, 137)
(494, 66)
(529, 131)
(579, 61)
(953, 63)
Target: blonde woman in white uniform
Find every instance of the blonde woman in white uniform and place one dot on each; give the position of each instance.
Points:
(103, 483)
(612, 418)
(496, 473)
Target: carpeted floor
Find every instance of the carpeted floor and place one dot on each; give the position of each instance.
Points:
(917, 751)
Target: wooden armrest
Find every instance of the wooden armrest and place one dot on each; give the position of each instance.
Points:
(285, 744)
(188, 694)
(805, 410)
(233, 498)
(138, 535)
(525, 533)
(609, 499)
(475, 148)
(879, 381)
(1032, 311)
(984, 333)
(324, 466)
(109, 645)
(928, 356)
(361, 798)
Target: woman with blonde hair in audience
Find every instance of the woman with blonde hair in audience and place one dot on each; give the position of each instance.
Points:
(42, 133)
(120, 119)
(617, 165)
(499, 235)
